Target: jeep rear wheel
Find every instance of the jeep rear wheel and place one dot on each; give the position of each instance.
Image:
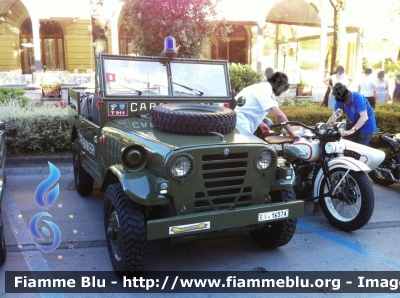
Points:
(83, 181)
(277, 233)
(194, 118)
(125, 228)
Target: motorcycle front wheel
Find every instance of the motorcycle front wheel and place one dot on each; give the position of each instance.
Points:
(352, 205)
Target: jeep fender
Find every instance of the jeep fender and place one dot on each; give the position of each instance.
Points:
(140, 186)
(340, 162)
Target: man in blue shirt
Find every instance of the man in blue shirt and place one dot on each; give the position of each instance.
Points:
(358, 110)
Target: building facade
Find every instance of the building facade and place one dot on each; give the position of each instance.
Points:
(43, 37)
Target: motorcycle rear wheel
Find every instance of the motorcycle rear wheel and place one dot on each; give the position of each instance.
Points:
(376, 176)
(353, 204)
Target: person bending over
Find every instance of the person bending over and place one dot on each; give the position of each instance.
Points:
(358, 110)
(260, 100)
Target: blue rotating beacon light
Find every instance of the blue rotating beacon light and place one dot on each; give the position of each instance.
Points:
(170, 47)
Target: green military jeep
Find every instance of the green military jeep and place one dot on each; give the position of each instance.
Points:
(159, 137)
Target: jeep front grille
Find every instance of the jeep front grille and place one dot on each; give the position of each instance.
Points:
(223, 179)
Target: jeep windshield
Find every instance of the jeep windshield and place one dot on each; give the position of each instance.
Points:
(148, 77)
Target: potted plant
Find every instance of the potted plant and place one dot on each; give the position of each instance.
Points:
(51, 88)
(300, 87)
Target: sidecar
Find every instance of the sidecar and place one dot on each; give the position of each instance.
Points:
(369, 156)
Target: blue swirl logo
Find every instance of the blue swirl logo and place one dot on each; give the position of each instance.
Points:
(45, 197)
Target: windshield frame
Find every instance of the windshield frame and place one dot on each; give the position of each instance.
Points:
(222, 88)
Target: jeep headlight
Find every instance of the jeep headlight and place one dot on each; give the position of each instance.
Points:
(263, 160)
(181, 166)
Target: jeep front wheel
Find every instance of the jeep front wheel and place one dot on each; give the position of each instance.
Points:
(83, 181)
(194, 118)
(125, 228)
(277, 233)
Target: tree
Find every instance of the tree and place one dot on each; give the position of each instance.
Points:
(338, 31)
(100, 25)
(191, 22)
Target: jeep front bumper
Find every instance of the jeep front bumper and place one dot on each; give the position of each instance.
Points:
(222, 220)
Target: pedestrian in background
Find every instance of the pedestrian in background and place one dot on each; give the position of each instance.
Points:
(339, 77)
(396, 91)
(269, 71)
(366, 87)
(381, 88)
(358, 110)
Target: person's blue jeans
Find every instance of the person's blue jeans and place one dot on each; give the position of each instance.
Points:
(363, 138)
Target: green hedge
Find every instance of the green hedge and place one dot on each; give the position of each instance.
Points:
(387, 115)
(35, 129)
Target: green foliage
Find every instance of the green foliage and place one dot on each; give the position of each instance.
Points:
(301, 83)
(307, 114)
(51, 84)
(13, 95)
(392, 68)
(298, 102)
(388, 117)
(365, 63)
(242, 75)
(191, 22)
(35, 129)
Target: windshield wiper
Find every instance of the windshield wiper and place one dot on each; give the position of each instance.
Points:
(138, 91)
(198, 92)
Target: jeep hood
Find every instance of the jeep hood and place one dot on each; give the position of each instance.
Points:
(144, 129)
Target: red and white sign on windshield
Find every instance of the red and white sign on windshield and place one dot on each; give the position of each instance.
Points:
(110, 77)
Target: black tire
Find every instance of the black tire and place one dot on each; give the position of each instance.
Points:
(83, 181)
(3, 250)
(194, 118)
(352, 207)
(125, 228)
(376, 176)
(277, 233)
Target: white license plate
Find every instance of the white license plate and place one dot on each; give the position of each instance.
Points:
(273, 215)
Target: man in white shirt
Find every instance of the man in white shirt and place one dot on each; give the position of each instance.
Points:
(260, 100)
(365, 87)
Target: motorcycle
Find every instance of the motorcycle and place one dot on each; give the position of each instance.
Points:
(388, 172)
(331, 171)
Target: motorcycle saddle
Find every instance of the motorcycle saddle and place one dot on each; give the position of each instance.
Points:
(276, 140)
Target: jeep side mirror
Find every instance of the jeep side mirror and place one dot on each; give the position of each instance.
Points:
(241, 101)
(2, 126)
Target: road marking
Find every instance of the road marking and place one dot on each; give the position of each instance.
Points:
(33, 258)
(349, 245)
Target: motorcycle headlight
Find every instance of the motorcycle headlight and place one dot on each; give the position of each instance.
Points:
(321, 128)
(340, 126)
(263, 160)
(181, 166)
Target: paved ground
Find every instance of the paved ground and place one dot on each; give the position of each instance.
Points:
(316, 245)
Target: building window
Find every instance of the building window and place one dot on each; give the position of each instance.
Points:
(125, 42)
(51, 44)
(235, 51)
